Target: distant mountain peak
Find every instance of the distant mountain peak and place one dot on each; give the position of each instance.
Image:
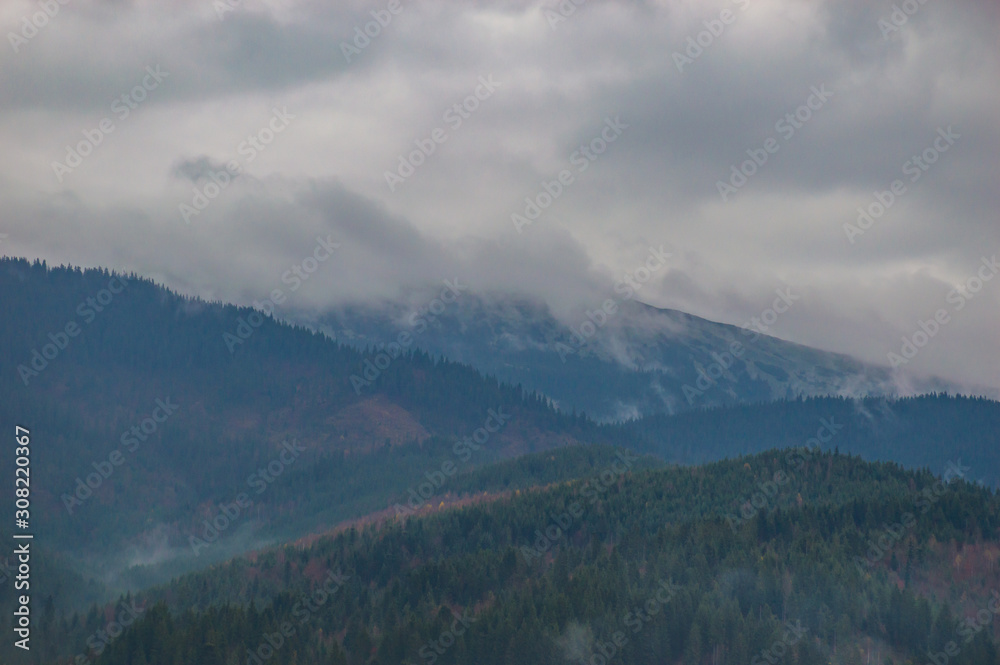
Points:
(619, 359)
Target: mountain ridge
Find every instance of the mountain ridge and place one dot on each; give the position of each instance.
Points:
(618, 363)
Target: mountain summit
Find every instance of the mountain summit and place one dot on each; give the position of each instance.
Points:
(623, 359)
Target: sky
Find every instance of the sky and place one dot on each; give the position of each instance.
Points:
(536, 148)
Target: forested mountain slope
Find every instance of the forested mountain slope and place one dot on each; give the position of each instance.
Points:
(149, 419)
(629, 360)
(163, 446)
(805, 556)
(932, 431)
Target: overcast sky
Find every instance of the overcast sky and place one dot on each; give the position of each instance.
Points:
(331, 112)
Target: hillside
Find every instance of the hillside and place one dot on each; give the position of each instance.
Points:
(936, 432)
(635, 361)
(149, 419)
(156, 425)
(658, 567)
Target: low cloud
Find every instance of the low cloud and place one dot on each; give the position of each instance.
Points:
(656, 186)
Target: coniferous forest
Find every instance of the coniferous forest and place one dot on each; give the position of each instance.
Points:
(506, 332)
(438, 516)
(841, 561)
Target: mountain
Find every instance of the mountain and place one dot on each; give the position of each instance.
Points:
(174, 433)
(936, 432)
(843, 561)
(158, 416)
(170, 435)
(623, 360)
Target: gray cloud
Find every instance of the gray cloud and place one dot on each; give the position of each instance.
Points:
(656, 185)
